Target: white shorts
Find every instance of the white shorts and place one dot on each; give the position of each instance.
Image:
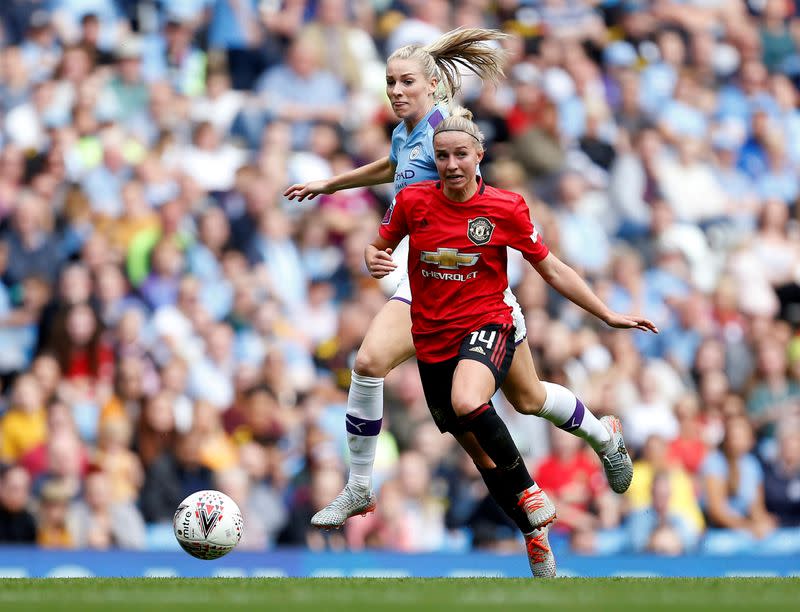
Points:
(403, 293)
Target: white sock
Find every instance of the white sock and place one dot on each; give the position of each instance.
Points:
(363, 421)
(567, 412)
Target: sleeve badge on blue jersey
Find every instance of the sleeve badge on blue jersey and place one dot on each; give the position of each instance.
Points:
(387, 218)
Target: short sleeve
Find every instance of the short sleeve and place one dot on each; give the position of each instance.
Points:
(394, 226)
(523, 236)
(427, 147)
(755, 470)
(394, 150)
(714, 465)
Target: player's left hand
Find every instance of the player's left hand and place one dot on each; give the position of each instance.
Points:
(620, 321)
(380, 263)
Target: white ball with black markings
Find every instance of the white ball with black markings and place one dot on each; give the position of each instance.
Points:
(208, 524)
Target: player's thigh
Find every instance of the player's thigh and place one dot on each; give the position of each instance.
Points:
(485, 356)
(522, 386)
(473, 386)
(388, 342)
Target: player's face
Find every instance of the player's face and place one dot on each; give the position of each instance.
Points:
(409, 92)
(457, 158)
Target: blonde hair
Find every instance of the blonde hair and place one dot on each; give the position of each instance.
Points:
(460, 120)
(462, 47)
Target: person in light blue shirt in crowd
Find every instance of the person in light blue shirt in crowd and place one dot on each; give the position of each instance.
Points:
(300, 92)
(235, 27)
(747, 95)
(171, 56)
(68, 14)
(204, 261)
(660, 77)
(681, 117)
(733, 483)
(274, 247)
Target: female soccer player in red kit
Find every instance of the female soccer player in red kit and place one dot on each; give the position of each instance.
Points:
(463, 333)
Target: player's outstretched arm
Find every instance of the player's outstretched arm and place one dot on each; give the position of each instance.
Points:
(375, 173)
(569, 284)
(378, 257)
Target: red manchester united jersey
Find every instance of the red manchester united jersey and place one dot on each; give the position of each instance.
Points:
(457, 260)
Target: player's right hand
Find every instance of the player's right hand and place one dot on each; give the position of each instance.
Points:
(380, 263)
(308, 190)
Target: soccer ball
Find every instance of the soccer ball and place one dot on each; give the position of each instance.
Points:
(208, 524)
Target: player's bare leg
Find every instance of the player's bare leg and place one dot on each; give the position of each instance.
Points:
(388, 343)
(557, 404)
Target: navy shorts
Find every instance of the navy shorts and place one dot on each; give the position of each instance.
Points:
(493, 345)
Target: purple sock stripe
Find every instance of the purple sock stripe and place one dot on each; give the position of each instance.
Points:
(401, 299)
(576, 419)
(362, 427)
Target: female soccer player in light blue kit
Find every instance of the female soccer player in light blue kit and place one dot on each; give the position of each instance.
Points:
(414, 75)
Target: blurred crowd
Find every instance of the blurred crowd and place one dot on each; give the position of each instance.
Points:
(169, 322)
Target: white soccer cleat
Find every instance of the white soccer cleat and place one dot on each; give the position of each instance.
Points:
(540, 510)
(540, 555)
(616, 461)
(348, 503)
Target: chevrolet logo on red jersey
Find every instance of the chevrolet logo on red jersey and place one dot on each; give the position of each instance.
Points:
(449, 259)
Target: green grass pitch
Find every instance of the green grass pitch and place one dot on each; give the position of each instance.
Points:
(417, 595)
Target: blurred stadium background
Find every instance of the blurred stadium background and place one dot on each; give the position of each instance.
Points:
(168, 322)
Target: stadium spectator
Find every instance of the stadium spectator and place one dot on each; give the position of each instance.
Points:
(172, 476)
(18, 525)
(300, 92)
(250, 37)
(209, 161)
(346, 51)
(658, 529)
(782, 477)
(262, 509)
(688, 449)
(678, 493)
(733, 483)
(126, 95)
(773, 396)
(323, 486)
(24, 425)
(33, 248)
(98, 522)
(122, 467)
(53, 525)
(572, 478)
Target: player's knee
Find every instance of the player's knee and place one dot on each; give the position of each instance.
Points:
(369, 363)
(529, 400)
(464, 402)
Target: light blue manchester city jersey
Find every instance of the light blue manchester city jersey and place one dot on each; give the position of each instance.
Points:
(412, 154)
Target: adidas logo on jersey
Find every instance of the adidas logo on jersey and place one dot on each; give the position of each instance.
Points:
(478, 349)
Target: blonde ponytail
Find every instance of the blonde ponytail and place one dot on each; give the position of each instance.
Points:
(459, 48)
